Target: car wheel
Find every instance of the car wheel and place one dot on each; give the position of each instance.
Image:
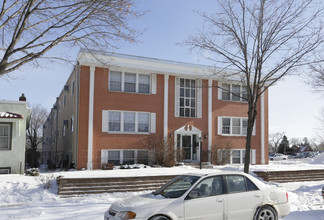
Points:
(266, 213)
(159, 217)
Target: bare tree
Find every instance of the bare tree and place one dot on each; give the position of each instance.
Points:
(30, 28)
(259, 42)
(320, 126)
(34, 134)
(275, 140)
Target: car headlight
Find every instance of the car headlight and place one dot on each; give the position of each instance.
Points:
(126, 215)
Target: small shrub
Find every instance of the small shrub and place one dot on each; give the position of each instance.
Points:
(32, 172)
(46, 181)
(108, 166)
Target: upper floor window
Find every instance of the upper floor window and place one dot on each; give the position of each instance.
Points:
(232, 92)
(5, 136)
(188, 98)
(233, 126)
(129, 82)
(129, 122)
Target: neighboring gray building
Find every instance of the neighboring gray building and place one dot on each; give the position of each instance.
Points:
(14, 118)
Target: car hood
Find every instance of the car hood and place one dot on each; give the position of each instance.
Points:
(141, 202)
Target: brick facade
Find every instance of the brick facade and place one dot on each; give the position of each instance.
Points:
(153, 102)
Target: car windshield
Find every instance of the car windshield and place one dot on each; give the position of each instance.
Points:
(177, 186)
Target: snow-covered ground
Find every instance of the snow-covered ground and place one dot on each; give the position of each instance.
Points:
(25, 197)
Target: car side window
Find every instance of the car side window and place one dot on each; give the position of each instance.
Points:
(208, 187)
(250, 185)
(235, 183)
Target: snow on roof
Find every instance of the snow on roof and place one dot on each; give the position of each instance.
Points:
(10, 115)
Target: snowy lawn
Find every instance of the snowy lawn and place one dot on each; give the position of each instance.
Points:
(24, 197)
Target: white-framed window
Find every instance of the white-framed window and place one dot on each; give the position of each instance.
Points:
(124, 156)
(232, 92)
(5, 170)
(72, 87)
(64, 100)
(5, 136)
(128, 122)
(121, 81)
(233, 126)
(188, 97)
(72, 123)
(237, 156)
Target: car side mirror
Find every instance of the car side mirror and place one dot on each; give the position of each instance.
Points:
(194, 194)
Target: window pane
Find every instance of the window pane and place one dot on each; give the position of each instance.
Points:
(236, 126)
(114, 121)
(129, 157)
(114, 157)
(130, 82)
(236, 92)
(235, 184)
(129, 122)
(181, 102)
(142, 157)
(143, 122)
(143, 83)
(226, 123)
(188, 98)
(5, 136)
(244, 94)
(236, 156)
(244, 127)
(115, 81)
(226, 92)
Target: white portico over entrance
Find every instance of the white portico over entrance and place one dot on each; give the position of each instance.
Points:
(187, 140)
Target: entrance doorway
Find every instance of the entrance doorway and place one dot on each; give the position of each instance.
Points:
(190, 147)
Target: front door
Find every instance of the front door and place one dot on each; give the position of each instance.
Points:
(190, 147)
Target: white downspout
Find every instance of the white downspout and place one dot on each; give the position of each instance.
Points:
(90, 122)
(210, 115)
(262, 130)
(166, 107)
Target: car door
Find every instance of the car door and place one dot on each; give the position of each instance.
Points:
(206, 201)
(243, 197)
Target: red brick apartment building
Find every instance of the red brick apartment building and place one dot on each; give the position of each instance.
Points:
(105, 110)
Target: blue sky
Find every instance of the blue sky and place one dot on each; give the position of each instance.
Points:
(292, 105)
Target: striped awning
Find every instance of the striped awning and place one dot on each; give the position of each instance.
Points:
(10, 115)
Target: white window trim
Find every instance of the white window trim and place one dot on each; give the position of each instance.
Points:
(198, 97)
(220, 126)
(105, 122)
(220, 92)
(10, 135)
(252, 156)
(152, 82)
(104, 155)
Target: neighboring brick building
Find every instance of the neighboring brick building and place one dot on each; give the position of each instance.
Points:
(106, 110)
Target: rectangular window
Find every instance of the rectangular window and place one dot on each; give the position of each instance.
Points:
(73, 87)
(129, 82)
(5, 170)
(233, 92)
(5, 136)
(143, 83)
(114, 157)
(119, 157)
(64, 101)
(128, 157)
(236, 157)
(128, 122)
(142, 157)
(114, 121)
(72, 123)
(234, 126)
(187, 98)
(115, 81)
(143, 122)
(226, 128)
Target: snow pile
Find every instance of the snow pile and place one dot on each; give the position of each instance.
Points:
(35, 198)
(319, 159)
